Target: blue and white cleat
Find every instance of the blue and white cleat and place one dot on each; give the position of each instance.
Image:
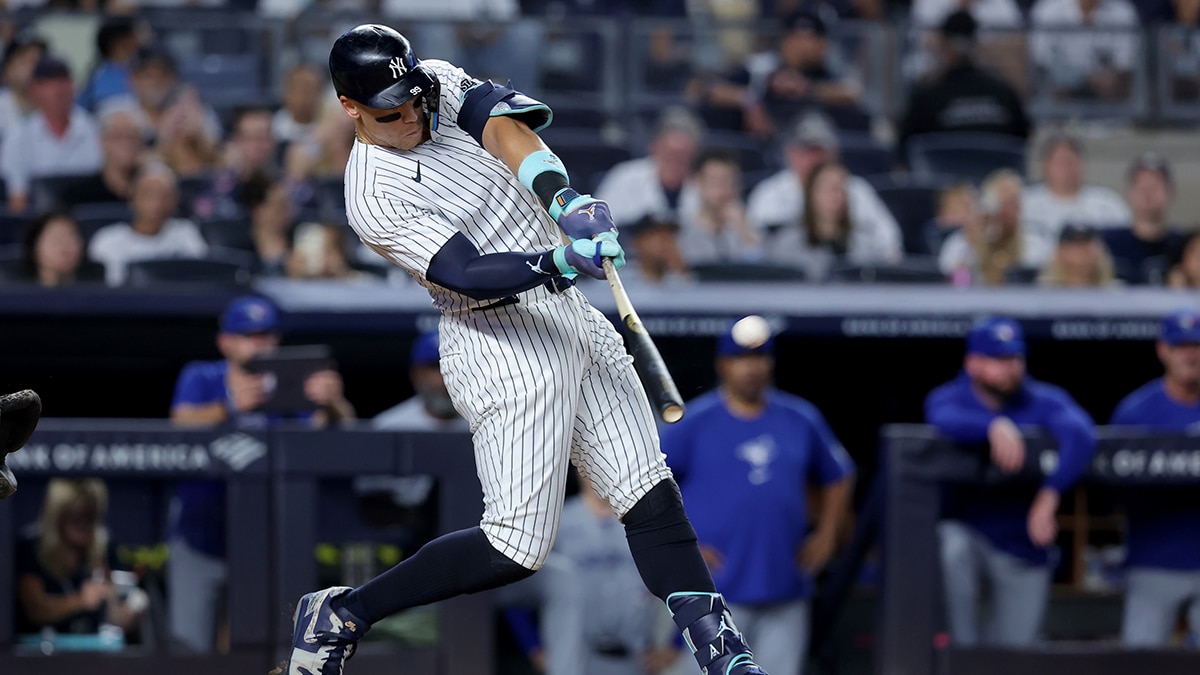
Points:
(324, 638)
(709, 631)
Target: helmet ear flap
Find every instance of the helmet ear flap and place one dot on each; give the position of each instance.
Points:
(431, 98)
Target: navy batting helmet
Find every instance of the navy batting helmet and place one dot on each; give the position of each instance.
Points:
(375, 66)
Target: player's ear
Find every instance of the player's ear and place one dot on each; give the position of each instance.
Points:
(350, 107)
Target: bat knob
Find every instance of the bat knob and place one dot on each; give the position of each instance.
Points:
(672, 413)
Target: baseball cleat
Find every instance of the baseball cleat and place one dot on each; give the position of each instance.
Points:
(323, 638)
(710, 633)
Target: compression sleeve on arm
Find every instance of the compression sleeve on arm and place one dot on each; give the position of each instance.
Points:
(459, 266)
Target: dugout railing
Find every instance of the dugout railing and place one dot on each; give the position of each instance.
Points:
(274, 501)
(915, 462)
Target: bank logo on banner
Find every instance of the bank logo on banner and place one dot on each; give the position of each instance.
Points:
(238, 450)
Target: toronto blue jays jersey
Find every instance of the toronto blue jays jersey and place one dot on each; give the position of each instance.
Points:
(744, 487)
(999, 513)
(1164, 522)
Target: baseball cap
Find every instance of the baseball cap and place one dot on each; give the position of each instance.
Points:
(1181, 327)
(249, 314)
(51, 68)
(1150, 161)
(806, 21)
(997, 337)
(814, 129)
(728, 346)
(1075, 232)
(425, 349)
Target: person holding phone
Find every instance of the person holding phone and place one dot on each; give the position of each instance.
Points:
(210, 393)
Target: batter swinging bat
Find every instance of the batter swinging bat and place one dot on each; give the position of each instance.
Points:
(660, 388)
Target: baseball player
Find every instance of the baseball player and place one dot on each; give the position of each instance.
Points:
(449, 180)
(1162, 549)
(1003, 536)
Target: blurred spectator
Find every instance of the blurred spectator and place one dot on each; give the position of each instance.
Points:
(1162, 553)
(54, 251)
(653, 185)
(1080, 260)
(1185, 269)
(988, 14)
(117, 40)
(184, 141)
(654, 256)
(431, 408)
(867, 10)
(64, 565)
(1062, 195)
(21, 56)
(319, 252)
(59, 139)
(1179, 53)
(831, 230)
(774, 87)
(296, 120)
(1003, 536)
(777, 203)
(323, 155)
(581, 631)
(1086, 49)
(249, 156)
(272, 217)
(161, 103)
(713, 226)
(957, 205)
(124, 152)
(962, 96)
(210, 393)
(988, 248)
(489, 39)
(1149, 238)
(153, 232)
(745, 457)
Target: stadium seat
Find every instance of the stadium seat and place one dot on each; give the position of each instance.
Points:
(13, 224)
(588, 159)
(47, 192)
(145, 273)
(754, 156)
(227, 233)
(1022, 276)
(916, 270)
(913, 203)
(863, 155)
(749, 272)
(92, 216)
(966, 156)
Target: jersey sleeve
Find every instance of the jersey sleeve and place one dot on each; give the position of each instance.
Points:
(197, 386)
(454, 83)
(407, 234)
(830, 461)
(1075, 432)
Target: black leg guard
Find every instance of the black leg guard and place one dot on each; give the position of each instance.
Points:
(663, 543)
(709, 631)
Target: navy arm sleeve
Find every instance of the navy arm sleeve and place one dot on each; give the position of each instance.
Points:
(459, 266)
(956, 420)
(1076, 437)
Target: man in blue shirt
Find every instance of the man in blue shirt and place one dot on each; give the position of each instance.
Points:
(1163, 537)
(209, 393)
(744, 456)
(1003, 535)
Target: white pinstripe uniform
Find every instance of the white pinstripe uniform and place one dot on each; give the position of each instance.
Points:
(538, 380)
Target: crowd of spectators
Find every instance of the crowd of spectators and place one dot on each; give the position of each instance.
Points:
(771, 165)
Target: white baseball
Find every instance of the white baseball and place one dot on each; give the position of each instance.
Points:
(751, 332)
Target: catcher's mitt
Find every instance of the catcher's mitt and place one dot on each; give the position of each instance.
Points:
(19, 415)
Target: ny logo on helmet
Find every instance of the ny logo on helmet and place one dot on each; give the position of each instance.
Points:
(397, 67)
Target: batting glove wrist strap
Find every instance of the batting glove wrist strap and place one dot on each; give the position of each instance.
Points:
(539, 166)
(587, 256)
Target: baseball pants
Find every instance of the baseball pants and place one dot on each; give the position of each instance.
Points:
(1018, 589)
(1153, 598)
(542, 382)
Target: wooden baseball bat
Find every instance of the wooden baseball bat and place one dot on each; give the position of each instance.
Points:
(660, 388)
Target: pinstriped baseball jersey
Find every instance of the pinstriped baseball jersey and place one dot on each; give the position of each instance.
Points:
(541, 381)
(406, 205)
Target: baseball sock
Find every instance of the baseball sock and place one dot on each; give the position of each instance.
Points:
(453, 564)
(664, 545)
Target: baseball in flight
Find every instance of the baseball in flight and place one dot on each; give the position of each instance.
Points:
(751, 332)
